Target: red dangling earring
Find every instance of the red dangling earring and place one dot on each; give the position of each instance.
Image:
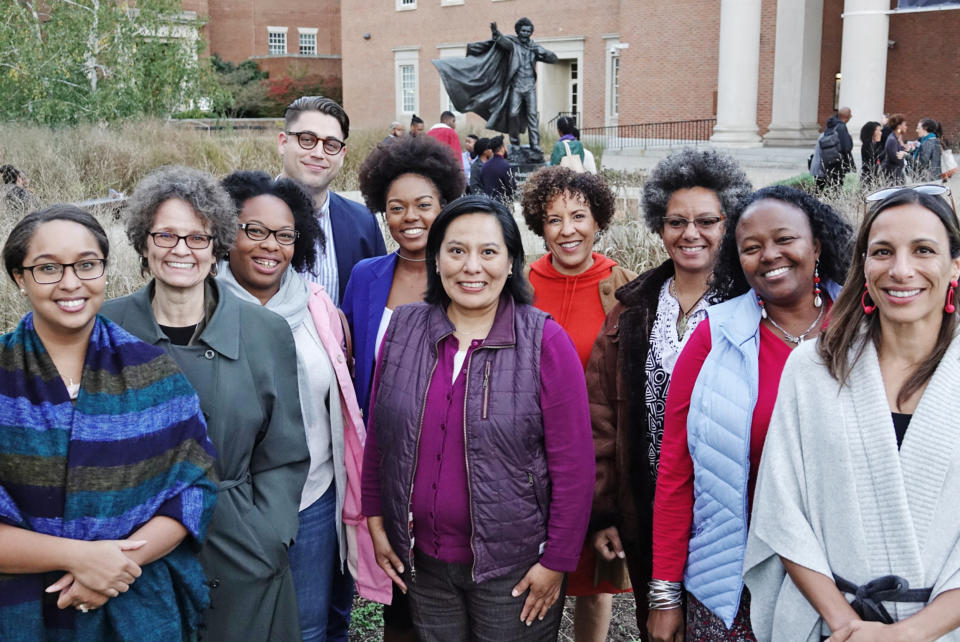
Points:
(763, 310)
(950, 308)
(867, 307)
(817, 301)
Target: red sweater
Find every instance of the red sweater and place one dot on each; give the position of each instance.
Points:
(448, 136)
(673, 502)
(573, 301)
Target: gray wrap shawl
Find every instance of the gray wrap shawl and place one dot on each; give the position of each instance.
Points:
(836, 496)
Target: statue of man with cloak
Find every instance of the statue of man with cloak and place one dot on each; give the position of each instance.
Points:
(498, 81)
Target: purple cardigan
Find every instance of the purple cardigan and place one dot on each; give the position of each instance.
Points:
(441, 496)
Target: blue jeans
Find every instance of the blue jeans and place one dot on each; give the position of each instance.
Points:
(314, 558)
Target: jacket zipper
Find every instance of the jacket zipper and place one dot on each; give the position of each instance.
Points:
(416, 458)
(466, 449)
(486, 389)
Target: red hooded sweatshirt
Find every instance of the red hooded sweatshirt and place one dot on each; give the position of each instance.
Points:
(573, 301)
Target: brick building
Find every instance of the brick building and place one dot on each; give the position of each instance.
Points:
(768, 71)
(285, 37)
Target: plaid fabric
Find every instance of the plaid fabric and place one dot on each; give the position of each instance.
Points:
(133, 446)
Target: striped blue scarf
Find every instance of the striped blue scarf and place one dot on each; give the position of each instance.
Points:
(132, 447)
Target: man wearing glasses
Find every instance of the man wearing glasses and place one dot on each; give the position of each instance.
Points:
(312, 147)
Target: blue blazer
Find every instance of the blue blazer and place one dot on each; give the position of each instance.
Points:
(363, 304)
(356, 236)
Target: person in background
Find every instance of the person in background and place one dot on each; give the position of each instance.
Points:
(575, 286)
(856, 499)
(468, 155)
(409, 182)
(926, 156)
(478, 465)
(496, 175)
(242, 361)
(685, 200)
(312, 147)
(397, 131)
(894, 164)
(589, 161)
(446, 132)
(13, 176)
(782, 259)
(566, 127)
(483, 153)
(276, 243)
(871, 152)
(416, 125)
(107, 484)
(831, 176)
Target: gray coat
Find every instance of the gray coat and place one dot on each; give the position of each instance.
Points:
(244, 369)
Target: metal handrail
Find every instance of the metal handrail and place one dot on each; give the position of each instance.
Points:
(552, 123)
(675, 133)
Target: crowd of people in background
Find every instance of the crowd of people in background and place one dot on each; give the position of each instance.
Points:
(757, 437)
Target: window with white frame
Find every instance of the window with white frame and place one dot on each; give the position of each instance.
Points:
(406, 72)
(403, 5)
(277, 41)
(408, 88)
(308, 41)
(615, 85)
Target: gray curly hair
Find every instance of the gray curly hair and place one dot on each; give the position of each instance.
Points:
(210, 202)
(688, 168)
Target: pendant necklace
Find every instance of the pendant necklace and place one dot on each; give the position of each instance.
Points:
(797, 339)
(684, 315)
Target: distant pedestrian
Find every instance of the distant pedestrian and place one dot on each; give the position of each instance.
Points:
(416, 125)
(894, 161)
(835, 147)
(445, 132)
(566, 127)
(482, 151)
(496, 176)
(926, 156)
(871, 152)
(589, 161)
(397, 131)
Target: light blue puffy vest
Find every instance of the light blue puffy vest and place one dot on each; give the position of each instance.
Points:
(718, 434)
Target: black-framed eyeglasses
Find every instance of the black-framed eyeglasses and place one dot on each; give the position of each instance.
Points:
(258, 232)
(169, 239)
(702, 223)
(309, 140)
(50, 273)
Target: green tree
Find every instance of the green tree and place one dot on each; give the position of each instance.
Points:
(64, 61)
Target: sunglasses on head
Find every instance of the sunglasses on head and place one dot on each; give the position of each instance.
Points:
(930, 189)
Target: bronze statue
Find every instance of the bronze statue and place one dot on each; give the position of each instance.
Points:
(498, 81)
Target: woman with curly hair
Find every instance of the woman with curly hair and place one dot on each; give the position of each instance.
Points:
(575, 285)
(242, 361)
(408, 181)
(278, 241)
(783, 257)
(855, 523)
(685, 201)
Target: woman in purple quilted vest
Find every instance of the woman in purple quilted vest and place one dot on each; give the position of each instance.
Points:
(478, 468)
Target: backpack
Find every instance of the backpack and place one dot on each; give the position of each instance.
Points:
(829, 144)
(571, 160)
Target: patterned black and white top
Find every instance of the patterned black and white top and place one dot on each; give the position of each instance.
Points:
(665, 348)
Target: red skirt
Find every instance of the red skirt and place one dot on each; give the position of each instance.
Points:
(581, 581)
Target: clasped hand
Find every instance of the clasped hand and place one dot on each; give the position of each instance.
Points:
(99, 571)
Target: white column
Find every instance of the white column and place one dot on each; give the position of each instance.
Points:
(863, 60)
(796, 74)
(739, 74)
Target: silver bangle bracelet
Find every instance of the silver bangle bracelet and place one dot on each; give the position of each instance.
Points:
(663, 595)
